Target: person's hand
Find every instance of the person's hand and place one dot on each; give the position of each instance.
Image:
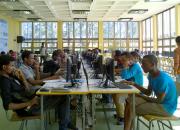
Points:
(36, 65)
(34, 101)
(128, 82)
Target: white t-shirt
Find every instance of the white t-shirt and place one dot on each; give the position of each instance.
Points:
(43, 51)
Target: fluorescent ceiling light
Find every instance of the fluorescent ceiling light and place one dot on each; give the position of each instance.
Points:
(125, 19)
(138, 11)
(24, 11)
(80, 19)
(155, 0)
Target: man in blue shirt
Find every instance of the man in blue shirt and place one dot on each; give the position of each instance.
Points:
(165, 101)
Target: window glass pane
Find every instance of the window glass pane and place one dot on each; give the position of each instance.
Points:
(160, 25)
(166, 24)
(26, 30)
(77, 29)
(123, 29)
(106, 30)
(95, 29)
(65, 29)
(117, 29)
(166, 43)
(151, 24)
(111, 29)
(83, 29)
(39, 30)
(173, 23)
(51, 29)
(135, 30)
(148, 29)
(144, 30)
(130, 29)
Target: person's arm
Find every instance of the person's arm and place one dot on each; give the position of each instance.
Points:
(158, 99)
(145, 91)
(16, 106)
(176, 61)
(39, 82)
(37, 71)
(127, 73)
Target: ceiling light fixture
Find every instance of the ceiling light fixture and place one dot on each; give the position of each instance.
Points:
(125, 19)
(80, 11)
(24, 11)
(155, 0)
(8, 0)
(80, 19)
(137, 11)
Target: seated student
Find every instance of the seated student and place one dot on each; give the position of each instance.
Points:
(32, 77)
(165, 102)
(15, 97)
(53, 65)
(131, 71)
(131, 68)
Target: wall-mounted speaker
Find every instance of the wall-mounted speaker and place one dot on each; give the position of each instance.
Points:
(20, 39)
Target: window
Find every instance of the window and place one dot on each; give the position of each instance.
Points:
(80, 35)
(148, 35)
(119, 34)
(38, 32)
(166, 31)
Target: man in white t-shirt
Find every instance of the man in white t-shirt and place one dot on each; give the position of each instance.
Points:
(43, 53)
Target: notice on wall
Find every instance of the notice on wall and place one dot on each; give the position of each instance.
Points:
(3, 36)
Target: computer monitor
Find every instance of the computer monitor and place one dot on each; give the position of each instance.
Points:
(68, 69)
(109, 69)
(108, 72)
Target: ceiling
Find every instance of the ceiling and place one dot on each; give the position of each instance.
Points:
(91, 10)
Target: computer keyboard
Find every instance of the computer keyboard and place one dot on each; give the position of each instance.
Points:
(122, 85)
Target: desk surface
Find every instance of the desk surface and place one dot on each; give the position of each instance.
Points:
(91, 89)
(82, 89)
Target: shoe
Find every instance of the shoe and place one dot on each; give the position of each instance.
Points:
(71, 126)
(120, 121)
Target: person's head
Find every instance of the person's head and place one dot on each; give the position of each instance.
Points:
(135, 56)
(42, 44)
(28, 57)
(126, 58)
(11, 51)
(149, 63)
(178, 41)
(3, 53)
(56, 56)
(6, 64)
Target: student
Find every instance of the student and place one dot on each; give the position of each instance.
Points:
(32, 76)
(131, 68)
(131, 71)
(15, 97)
(177, 60)
(53, 65)
(165, 102)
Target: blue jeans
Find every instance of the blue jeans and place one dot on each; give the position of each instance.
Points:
(62, 106)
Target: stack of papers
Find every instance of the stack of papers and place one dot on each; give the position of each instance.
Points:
(57, 85)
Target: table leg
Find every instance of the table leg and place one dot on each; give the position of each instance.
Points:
(42, 113)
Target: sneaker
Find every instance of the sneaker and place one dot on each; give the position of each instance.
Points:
(120, 121)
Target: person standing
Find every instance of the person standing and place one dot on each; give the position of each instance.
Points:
(43, 53)
(177, 60)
